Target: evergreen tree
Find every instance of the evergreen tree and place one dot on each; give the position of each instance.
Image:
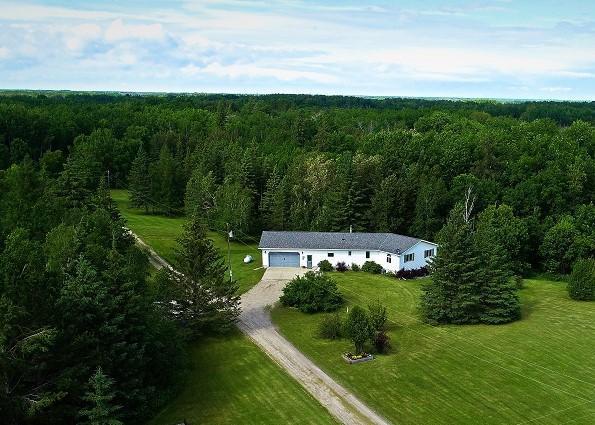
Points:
(453, 295)
(582, 280)
(272, 206)
(139, 180)
(99, 398)
(204, 299)
(470, 275)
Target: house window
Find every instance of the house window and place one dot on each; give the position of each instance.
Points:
(367, 254)
(331, 254)
(348, 252)
(429, 253)
(388, 259)
(409, 257)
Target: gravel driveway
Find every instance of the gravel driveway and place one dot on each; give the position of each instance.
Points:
(255, 322)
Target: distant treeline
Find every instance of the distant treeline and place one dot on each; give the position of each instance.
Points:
(326, 162)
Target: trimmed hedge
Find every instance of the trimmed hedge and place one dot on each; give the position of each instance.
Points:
(311, 293)
(372, 267)
(325, 266)
(582, 280)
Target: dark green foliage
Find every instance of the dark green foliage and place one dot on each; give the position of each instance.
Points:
(139, 180)
(312, 293)
(73, 296)
(372, 267)
(581, 285)
(331, 327)
(99, 398)
(470, 282)
(355, 267)
(358, 328)
(341, 266)
(378, 316)
(325, 266)
(200, 296)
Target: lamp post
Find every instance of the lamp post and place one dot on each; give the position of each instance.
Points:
(229, 236)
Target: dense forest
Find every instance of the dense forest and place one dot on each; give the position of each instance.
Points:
(326, 163)
(76, 312)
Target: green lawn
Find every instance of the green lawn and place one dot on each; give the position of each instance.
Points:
(233, 382)
(230, 380)
(540, 370)
(161, 232)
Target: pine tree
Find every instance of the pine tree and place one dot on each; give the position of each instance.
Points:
(139, 180)
(101, 410)
(204, 299)
(272, 206)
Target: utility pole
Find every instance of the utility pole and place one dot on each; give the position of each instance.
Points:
(108, 186)
(229, 236)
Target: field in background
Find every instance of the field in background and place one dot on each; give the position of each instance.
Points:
(539, 370)
(230, 380)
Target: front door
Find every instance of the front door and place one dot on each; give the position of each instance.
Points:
(309, 260)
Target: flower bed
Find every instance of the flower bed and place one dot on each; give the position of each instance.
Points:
(352, 358)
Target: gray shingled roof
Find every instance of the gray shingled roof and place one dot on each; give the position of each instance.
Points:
(388, 242)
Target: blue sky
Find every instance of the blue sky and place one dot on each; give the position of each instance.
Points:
(459, 48)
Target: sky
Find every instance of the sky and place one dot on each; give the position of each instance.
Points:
(519, 49)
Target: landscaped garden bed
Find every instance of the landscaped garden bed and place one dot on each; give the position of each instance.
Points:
(352, 358)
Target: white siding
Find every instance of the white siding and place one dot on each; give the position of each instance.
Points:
(419, 260)
(358, 257)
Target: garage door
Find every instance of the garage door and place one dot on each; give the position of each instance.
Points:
(284, 259)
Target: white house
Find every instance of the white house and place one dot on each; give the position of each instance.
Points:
(306, 249)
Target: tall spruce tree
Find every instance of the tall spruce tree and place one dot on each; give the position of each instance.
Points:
(470, 275)
(139, 180)
(99, 398)
(204, 299)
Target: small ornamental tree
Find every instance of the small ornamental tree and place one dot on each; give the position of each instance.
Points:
(582, 280)
(378, 316)
(341, 267)
(311, 293)
(358, 328)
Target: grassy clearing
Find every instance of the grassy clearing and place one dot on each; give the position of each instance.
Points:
(232, 382)
(161, 233)
(538, 370)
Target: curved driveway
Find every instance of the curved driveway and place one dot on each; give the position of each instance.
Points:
(255, 322)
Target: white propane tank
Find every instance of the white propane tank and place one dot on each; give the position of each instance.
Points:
(248, 259)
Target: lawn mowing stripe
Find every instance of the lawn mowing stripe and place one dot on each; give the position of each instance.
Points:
(488, 361)
(556, 412)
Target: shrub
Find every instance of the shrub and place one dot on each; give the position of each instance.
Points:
(325, 266)
(518, 281)
(372, 267)
(358, 328)
(354, 267)
(582, 280)
(412, 273)
(378, 316)
(341, 267)
(311, 293)
(331, 327)
(381, 342)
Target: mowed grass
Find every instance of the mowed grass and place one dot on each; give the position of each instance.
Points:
(230, 381)
(539, 370)
(233, 382)
(161, 232)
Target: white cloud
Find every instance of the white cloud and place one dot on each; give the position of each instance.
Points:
(235, 71)
(78, 36)
(118, 30)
